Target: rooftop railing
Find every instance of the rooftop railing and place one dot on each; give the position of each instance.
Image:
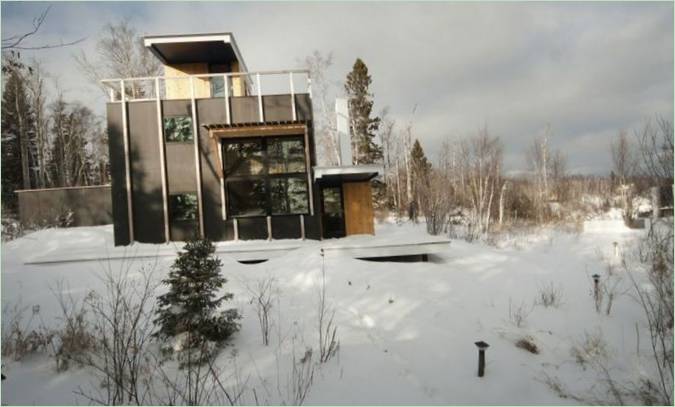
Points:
(213, 85)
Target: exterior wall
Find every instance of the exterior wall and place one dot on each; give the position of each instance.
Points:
(358, 204)
(91, 206)
(181, 169)
(180, 88)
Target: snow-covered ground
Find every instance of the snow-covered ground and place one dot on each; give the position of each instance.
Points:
(406, 330)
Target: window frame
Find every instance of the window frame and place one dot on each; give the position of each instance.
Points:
(265, 174)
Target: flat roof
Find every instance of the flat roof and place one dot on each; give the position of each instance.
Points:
(214, 48)
(364, 172)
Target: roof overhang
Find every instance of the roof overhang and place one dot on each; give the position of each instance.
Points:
(219, 48)
(349, 173)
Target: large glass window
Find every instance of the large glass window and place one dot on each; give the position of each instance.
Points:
(288, 195)
(244, 158)
(286, 155)
(178, 128)
(266, 176)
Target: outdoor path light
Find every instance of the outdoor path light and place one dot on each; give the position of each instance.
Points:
(481, 357)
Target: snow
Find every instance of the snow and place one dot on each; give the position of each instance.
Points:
(406, 330)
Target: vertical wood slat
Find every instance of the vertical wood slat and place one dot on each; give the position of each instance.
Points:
(198, 170)
(358, 205)
(302, 226)
(127, 162)
(236, 229)
(162, 162)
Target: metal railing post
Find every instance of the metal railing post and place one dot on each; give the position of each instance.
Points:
(127, 162)
(260, 100)
(294, 113)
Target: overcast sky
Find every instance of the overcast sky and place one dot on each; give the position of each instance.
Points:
(589, 70)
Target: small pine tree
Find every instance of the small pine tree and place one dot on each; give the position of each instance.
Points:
(189, 311)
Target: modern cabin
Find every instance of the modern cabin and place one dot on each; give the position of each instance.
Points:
(213, 150)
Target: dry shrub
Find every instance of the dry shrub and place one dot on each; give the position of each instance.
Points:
(19, 339)
(527, 343)
(549, 295)
(591, 349)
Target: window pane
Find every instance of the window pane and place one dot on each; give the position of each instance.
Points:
(178, 128)
(217, 88)
(247, 197)
(183, 206)
(288, 196)
(286, 155)
(245, 158)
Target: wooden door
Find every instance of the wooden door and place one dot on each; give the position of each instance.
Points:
(358, 203)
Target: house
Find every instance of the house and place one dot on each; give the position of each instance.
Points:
(213, 150)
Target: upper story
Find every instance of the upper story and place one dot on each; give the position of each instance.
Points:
(210, 66)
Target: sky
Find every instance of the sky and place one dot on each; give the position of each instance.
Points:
(587, 70)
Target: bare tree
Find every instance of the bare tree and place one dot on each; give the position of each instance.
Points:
(482, 155)
(38, 97)
(655, 147)
(623, 158)
(318, 65)
(120, 53)
(15, 42)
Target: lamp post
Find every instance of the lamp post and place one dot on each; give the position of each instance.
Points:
(481, 357)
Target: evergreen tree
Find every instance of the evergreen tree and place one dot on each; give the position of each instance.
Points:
(189, 310)
(420, 170)
(419, 164)
(363, 126)
(17, 131)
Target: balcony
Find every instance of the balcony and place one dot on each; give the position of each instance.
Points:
(247, 97)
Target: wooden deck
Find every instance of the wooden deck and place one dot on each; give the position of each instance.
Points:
(358, 246)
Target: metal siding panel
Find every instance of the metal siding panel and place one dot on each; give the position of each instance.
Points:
(277, 108)
(118, 196)
(145, 173)
(215, 228)
(244, 109)
(286, 227)
(252, 228)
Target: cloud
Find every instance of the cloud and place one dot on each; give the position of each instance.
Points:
(588, 70)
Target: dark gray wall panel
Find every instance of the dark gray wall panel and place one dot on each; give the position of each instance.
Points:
(145, 173)
(180, 167)
(183, 230)
(286, 227)
(303, 107)
(215, 228)
(252, 228)
(244, 109)
(118, 191)
(313, 226)
(277, 108)
(91, 206)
